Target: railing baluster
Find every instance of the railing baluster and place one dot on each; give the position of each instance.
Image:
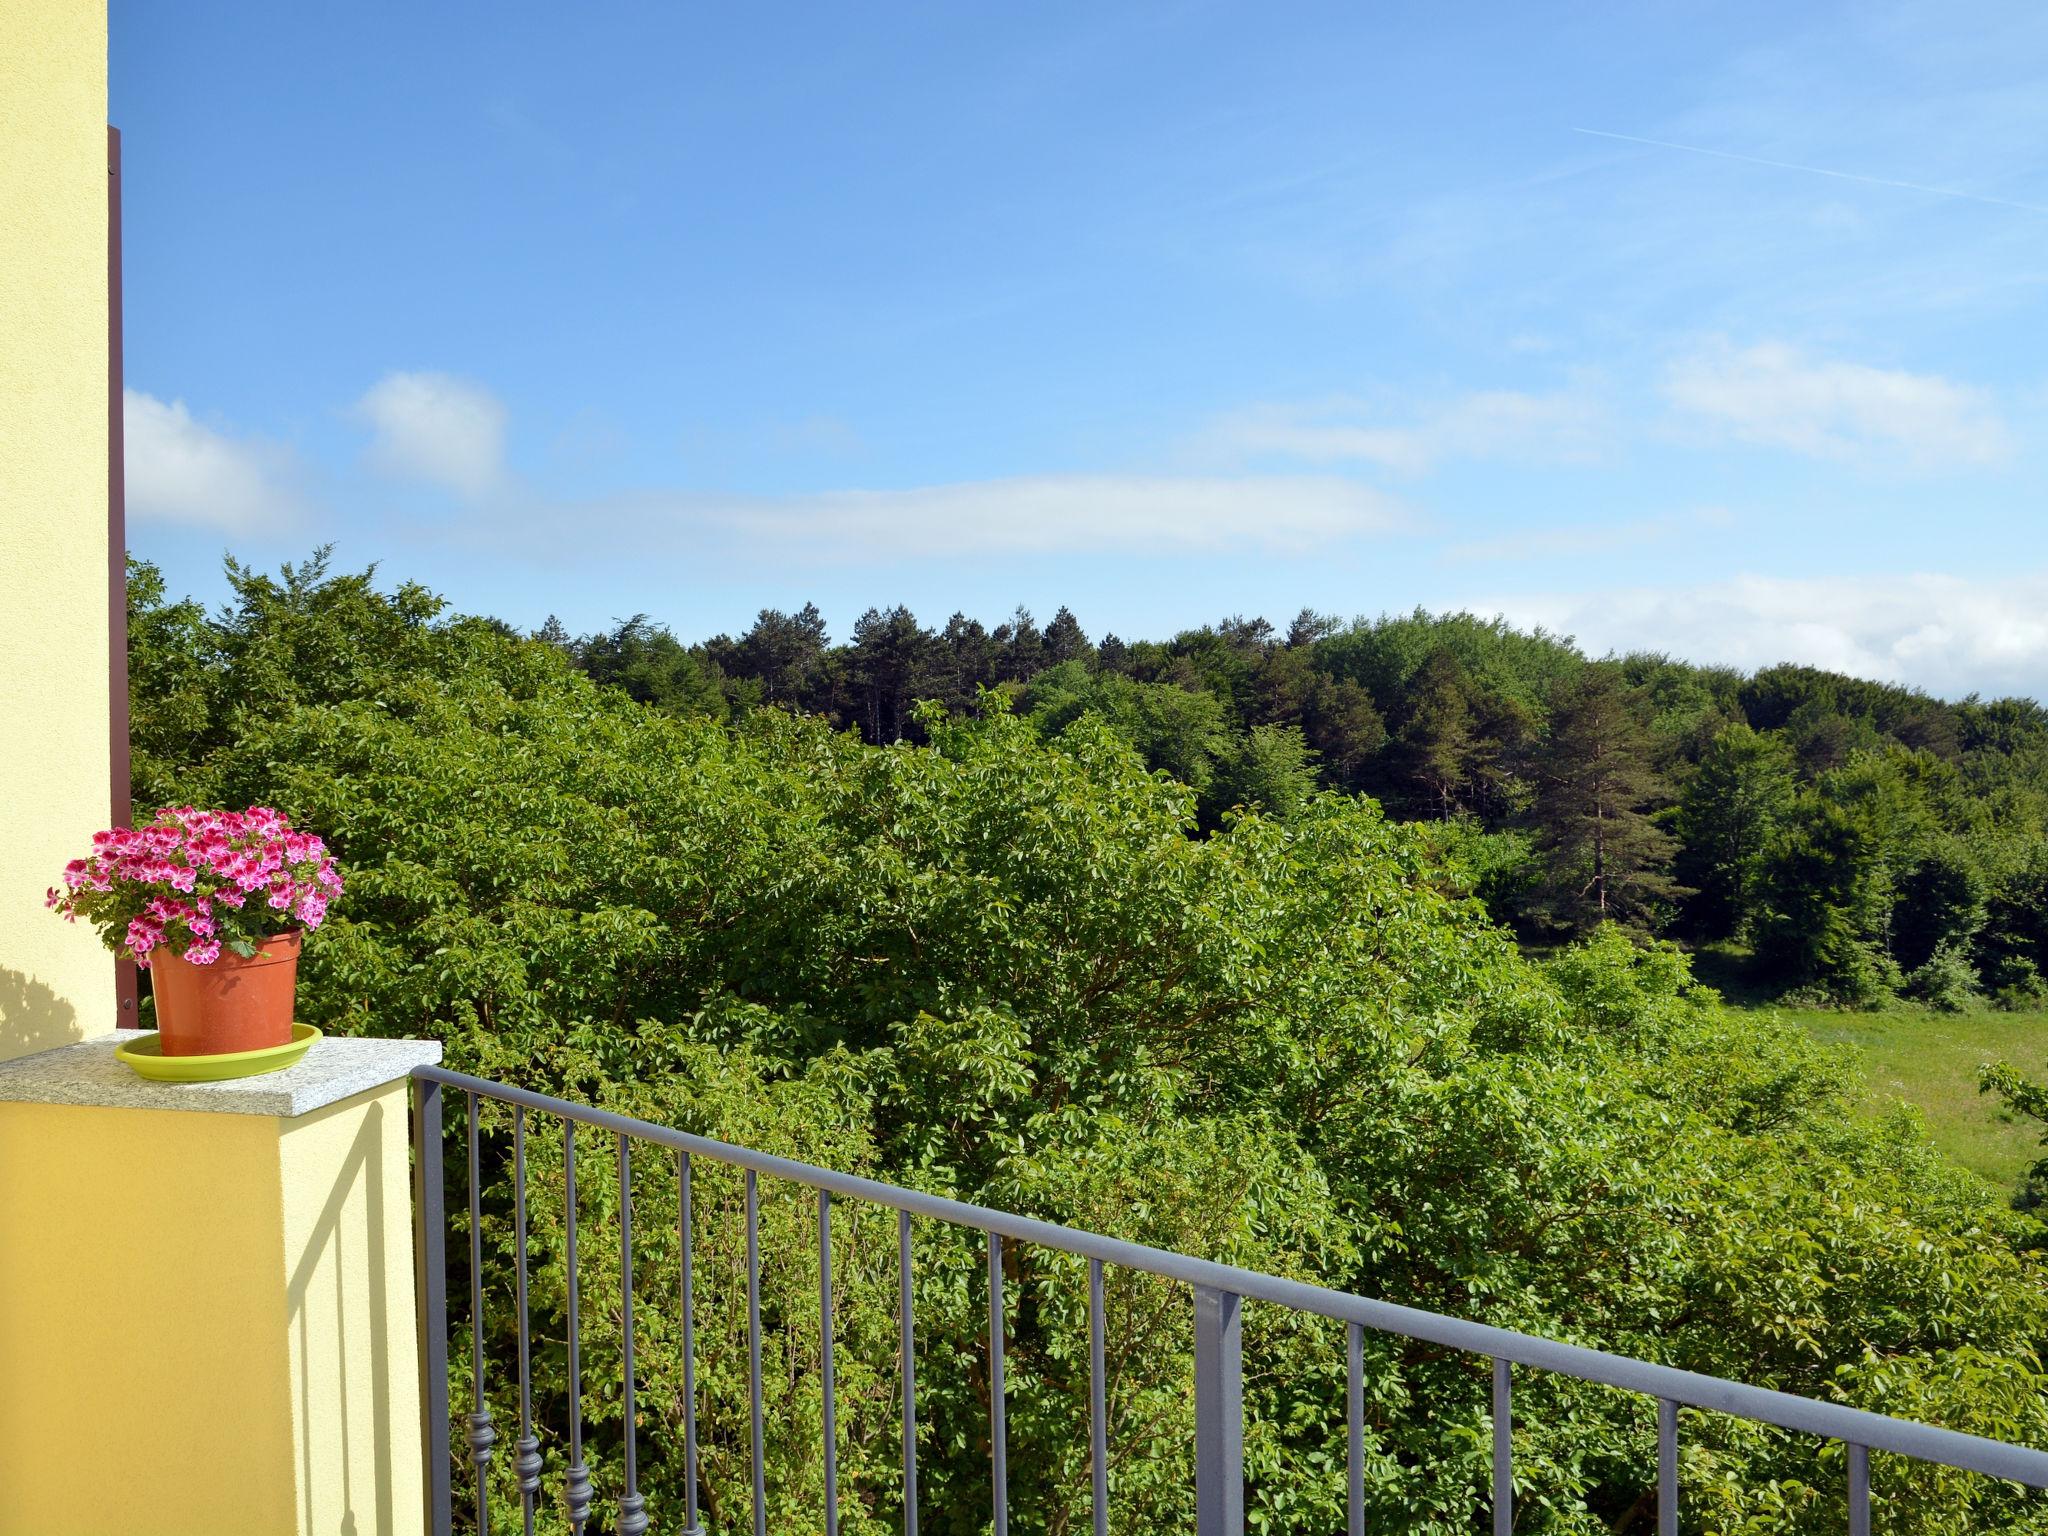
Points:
(1219, 1413)
(825, 1363)
(481, 1435)
(1859, 1490)
(1098, 1403)
(909, 1346)
(632, 1507)
(1503, 1450)
(430, 1265)
(687, 1221)
(576, 1483)
(1667, 1467)
(1354, 1428)
(526, 1462)
(754, 1349)
(998, 1446)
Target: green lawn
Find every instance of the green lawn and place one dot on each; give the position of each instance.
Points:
(1930, 1060)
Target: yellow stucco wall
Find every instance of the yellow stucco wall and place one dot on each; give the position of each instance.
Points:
(207, 1322)
(116, 1222)
(349, 1299)
(56, 982)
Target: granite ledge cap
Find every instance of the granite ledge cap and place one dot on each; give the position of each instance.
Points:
(88, 1075)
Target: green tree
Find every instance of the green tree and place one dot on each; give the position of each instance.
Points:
(1727, 815)
(888, 670)
(2014, 940)
(1940, 903)
(1605, 857)
(1831, 879)
(1344, 730)
(1020, 648)
(1270, 768)
(1833, 885)
(1431, 751)
(1180, 732)
(786, 652)
(1065, 640)
(966, 662)
(648, 663)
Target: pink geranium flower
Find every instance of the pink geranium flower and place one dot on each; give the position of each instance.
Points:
(180, 883)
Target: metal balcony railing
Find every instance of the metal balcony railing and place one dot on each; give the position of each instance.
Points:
(1218, 1291)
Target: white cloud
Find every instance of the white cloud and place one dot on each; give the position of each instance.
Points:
(179, 470)
(1487, 424)
(1042, 514)
(436, 428)
(451, 432)
(1774, 394)
(1947, 634)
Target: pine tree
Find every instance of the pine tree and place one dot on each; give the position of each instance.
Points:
(966, 662)
(1605, 856)
(1022, 647)
(1065, 640)
(786, 652)
(1309, 627)
(890, 669)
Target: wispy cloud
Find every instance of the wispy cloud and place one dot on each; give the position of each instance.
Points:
(1485, 424)
(1943, 633)
(436, 428)
(180, 470)
(1028, 515)
(1774, 394)
(1876, 171)
(1815, 170)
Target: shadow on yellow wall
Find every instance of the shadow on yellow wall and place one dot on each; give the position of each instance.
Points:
(33, 1017)
(358, 1459)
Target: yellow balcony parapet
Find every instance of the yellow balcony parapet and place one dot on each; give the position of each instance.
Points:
(222, 1275)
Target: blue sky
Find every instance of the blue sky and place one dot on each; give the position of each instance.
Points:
(1713, 329)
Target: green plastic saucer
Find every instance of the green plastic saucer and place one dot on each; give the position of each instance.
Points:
(146, 1059)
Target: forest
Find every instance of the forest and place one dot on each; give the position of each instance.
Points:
(1333, 953)
(1852, 841)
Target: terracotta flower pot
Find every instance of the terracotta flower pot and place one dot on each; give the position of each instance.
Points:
(231, 1005)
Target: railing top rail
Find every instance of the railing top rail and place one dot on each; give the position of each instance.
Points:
(1833, 1421)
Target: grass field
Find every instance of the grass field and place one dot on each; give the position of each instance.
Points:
(1930, 1060)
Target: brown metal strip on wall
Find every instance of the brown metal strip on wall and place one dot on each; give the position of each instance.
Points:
(120, 805)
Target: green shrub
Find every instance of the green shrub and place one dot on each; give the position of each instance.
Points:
(2016, 985)
(1947, 983)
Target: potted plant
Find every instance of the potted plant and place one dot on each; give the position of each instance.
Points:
(213, 904)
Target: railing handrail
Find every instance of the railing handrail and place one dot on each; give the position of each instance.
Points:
(1833, 1421)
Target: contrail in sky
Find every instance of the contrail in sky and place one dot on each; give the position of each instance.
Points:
(1816, 170)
